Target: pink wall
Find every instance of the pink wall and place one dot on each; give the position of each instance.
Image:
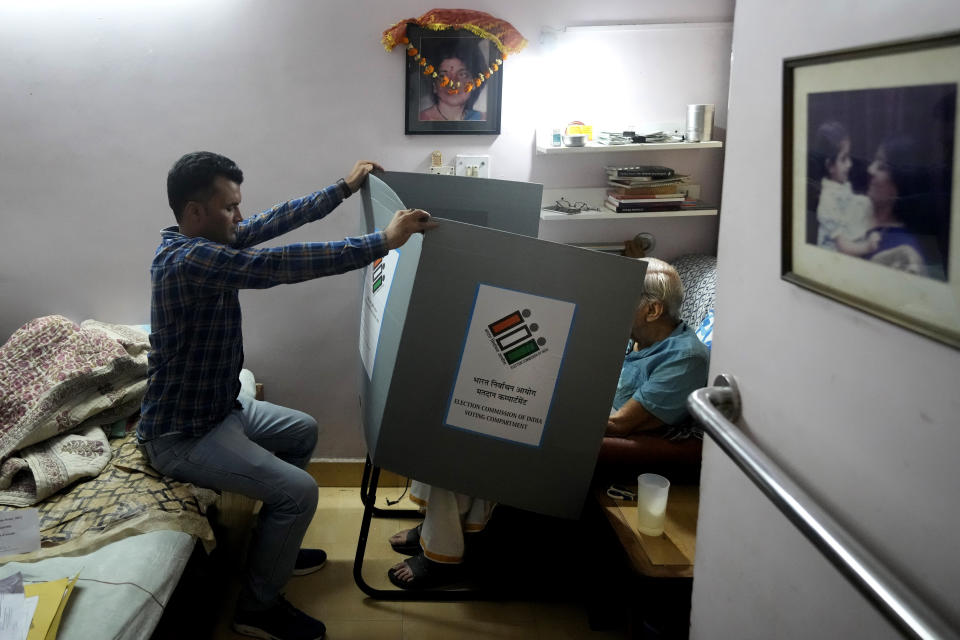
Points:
(861, 413)
(99, 98)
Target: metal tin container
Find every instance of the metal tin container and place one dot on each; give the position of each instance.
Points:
(699, 122)
(575, 140)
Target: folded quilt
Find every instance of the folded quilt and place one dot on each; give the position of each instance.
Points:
(58, 383)
(42, 469)
(56, 376)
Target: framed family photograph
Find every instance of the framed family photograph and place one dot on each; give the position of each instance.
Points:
(447, 103)
(871, 166)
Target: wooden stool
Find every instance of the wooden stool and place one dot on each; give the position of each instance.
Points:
(669, 555)
(662, 566)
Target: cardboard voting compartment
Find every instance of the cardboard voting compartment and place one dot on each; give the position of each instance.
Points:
(496, 204)
(490, 359)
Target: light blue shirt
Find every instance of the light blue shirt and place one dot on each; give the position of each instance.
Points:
(661, 376)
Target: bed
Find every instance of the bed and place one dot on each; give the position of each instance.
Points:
(123, 586)
(69, 400)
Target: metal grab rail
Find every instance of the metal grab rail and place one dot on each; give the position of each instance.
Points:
(715, 407)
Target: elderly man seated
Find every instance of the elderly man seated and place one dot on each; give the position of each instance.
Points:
(665, 362)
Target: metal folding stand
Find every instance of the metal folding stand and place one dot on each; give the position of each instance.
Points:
(368, 496)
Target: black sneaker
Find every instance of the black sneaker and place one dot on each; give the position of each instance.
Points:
(282, 621)
(309, 560)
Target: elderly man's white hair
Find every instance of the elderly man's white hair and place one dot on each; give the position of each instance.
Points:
(662, 283)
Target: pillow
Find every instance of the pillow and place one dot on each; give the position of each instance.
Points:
(698, 273)
(705, 330)
(248, 383)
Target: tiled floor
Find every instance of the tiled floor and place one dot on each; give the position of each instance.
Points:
(331, 594)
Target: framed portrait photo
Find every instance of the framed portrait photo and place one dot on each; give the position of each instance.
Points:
(871, 165)
(435, 107)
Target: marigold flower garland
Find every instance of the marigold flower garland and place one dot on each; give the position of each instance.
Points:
(501, 33)
(453, 87)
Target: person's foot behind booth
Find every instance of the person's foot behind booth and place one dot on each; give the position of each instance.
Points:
(495, 558)
(438, 546)
(420, 572)
(407, 542)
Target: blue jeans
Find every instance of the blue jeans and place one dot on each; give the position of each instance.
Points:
(238, 456)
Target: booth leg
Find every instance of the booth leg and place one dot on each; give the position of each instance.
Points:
(368, 496)
(368, 468)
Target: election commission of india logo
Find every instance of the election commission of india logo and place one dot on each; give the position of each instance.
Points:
(512, 337)
(377, 276)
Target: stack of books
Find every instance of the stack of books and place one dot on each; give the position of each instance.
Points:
(643, 172)
(647, 188)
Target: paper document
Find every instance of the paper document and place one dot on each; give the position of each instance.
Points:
(378, 276)
(12, 584)
(19, 531)
(32, 611)
(50, 595)
(16, 613)
(55, 625)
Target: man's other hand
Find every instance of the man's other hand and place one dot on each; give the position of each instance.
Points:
(359, 173)
(405, 223)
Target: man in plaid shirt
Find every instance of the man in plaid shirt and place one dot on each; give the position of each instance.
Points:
(195, 426)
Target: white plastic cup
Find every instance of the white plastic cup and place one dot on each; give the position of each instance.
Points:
(652, 491)
(699, 122)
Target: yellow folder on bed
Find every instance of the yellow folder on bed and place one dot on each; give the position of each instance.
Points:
(52, 600)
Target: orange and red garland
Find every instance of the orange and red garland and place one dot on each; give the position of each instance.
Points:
(500, 32)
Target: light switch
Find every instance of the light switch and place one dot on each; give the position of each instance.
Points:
(473, 166)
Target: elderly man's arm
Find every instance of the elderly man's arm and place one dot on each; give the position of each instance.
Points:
(631, 418)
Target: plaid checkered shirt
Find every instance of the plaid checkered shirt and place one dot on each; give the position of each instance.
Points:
(195, 318)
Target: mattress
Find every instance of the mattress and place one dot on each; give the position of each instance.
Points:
(123, 587)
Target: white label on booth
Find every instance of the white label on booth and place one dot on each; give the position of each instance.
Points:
(511, 360)
(377, 278)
